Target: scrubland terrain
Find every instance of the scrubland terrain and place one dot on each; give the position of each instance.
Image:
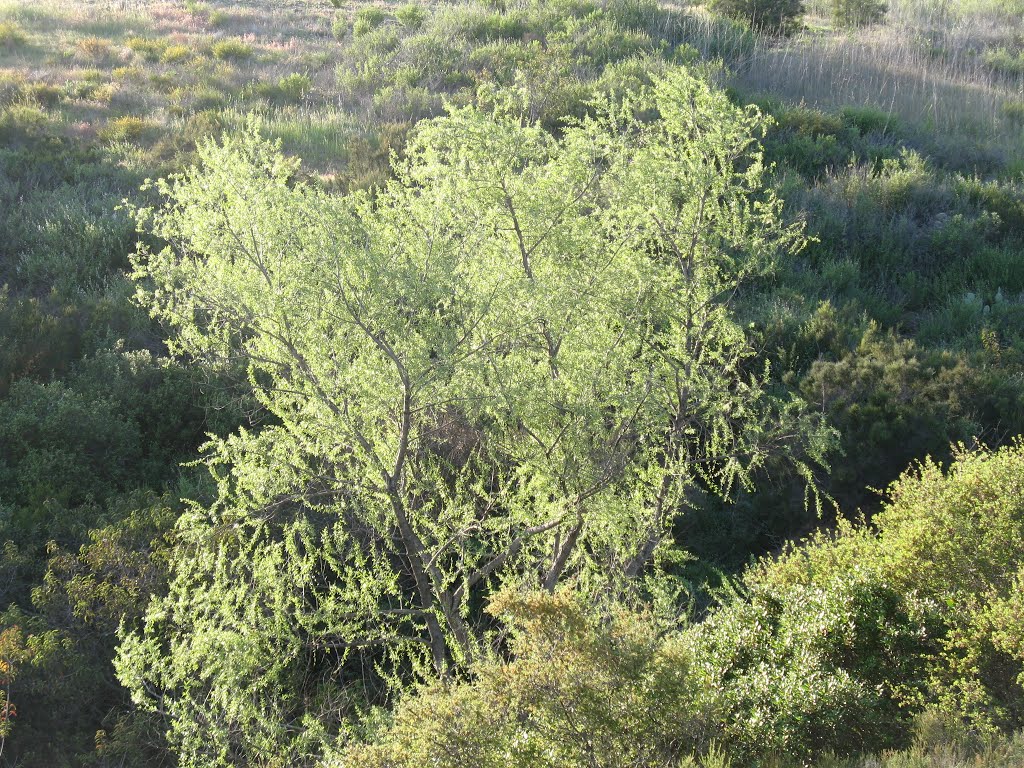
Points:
(511, 383)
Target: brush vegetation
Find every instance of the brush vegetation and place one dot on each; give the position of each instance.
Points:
(509, 384)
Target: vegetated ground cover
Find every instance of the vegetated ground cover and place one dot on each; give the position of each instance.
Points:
(900, 145)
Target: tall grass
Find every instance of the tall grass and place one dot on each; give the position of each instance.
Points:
(929, 65)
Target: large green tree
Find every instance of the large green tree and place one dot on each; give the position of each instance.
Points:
(512, 366)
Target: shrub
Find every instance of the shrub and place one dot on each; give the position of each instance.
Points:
(294, 87)
(231, 49)
(869, 119)
(775, 17)
(219, 19)
(1014, 111)
(635, 14)
(808, 668)
(787, 671)
(148, 48)
(174, 54)
(11, 35)
(128, 128)
(582, 690)
(12, 88)
(95, 48)
(287, 90)
(1005, 61)
(954, 539)
(19, 122)
(368, 19)
(858, 13)
(411, 15)
(339, 26)
(892, 402)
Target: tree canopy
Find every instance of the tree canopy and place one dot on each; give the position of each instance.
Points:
(511, 367)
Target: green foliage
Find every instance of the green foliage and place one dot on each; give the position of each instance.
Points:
(828, 651)
(579, 692)
(955, 540)
(858, 13)
(339, 26)
(230, 49)
(479, 377)
(411, 15)
(774, 17)
(289, 89)
(902, 322)
(893, 402)
(809, 668)
(149, 48)
(368, 19)
(1004, 60)
(68, 638)
(11, 36)
(175, 54)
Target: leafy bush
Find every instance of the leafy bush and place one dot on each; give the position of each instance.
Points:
(776, 17)
(149, 48)
(95, 48)
(174, 54)
(858, 13)
(411, 15)
(339, 26)
(127, 128)
(832, 649)
(811, 668)
(11, 35)
(289, 89)
(368, 19)
(580, 691)
(1014, 111)
(1004, 60)
(954, 539)
(869, 119)
(892, 402)
(231, 49)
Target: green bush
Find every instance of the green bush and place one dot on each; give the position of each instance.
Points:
(11, 35)
(955, 540)
(892, 402)
(580, 691)
(149, 48)
(339, 26)
(869, 119)
(858, 13)
(411, 15)
(231, 49)
(174, 54)
(289, 89)
(774, 17)
(1004, 61)
(811, 668)
(368, 19)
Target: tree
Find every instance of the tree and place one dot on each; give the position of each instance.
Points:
(510, 367)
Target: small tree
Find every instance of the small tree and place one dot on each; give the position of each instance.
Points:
(511, 367)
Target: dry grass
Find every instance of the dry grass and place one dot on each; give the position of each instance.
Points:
(161, 62)
(929, 65)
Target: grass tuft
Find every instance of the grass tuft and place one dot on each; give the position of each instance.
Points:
(11, 36)
(232, 49)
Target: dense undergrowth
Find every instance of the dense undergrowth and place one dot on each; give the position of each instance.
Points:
(901, 321)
